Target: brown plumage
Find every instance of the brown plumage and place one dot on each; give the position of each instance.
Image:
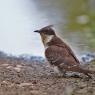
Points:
(59, 54)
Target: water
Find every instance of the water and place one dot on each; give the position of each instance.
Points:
(19, 18)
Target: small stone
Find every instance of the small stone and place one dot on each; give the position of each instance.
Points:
(25, 84)
(17, 69)
(4, 82)
(9, 67)
(19, 66)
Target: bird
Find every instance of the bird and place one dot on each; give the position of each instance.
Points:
(59, 55)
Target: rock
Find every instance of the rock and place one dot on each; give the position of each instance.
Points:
(25, 84)
(17, 69)
(9, 67)
(19, 66)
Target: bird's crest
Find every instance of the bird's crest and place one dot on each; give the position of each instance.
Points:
(47, 27)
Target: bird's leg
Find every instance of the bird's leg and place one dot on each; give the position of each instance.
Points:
(62, 72)
(69, 73)
(59, 71)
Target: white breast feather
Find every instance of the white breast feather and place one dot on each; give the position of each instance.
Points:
(48, 39)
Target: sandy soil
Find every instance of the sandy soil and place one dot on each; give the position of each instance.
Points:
(18, 78)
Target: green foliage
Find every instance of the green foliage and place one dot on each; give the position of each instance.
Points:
(81, 17)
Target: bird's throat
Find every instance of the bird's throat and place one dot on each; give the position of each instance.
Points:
(46, 39)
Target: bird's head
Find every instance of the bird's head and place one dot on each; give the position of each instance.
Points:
(46, 30)
(47, 33)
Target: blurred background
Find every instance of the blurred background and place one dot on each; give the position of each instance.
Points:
(73, 20)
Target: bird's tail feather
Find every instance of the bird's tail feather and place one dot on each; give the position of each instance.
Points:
(86, 71)
(77, 69)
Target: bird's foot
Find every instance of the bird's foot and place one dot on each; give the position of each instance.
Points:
(73, 74)
(61, 75)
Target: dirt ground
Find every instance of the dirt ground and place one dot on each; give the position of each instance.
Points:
(18, 78)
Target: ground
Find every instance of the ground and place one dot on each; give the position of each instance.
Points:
(19, 78)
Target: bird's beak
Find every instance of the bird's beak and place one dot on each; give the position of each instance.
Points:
(37, 31)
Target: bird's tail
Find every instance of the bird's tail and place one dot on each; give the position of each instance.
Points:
(78, 69)
(86, 71)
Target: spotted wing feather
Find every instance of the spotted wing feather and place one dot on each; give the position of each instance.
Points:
(57, 55)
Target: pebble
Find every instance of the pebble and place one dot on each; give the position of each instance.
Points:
(25, 84)
(19, 66)
(9, 67)
(17, 69)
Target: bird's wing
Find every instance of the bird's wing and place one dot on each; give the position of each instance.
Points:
(62, 58)
(57, 55)
(71, 53)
